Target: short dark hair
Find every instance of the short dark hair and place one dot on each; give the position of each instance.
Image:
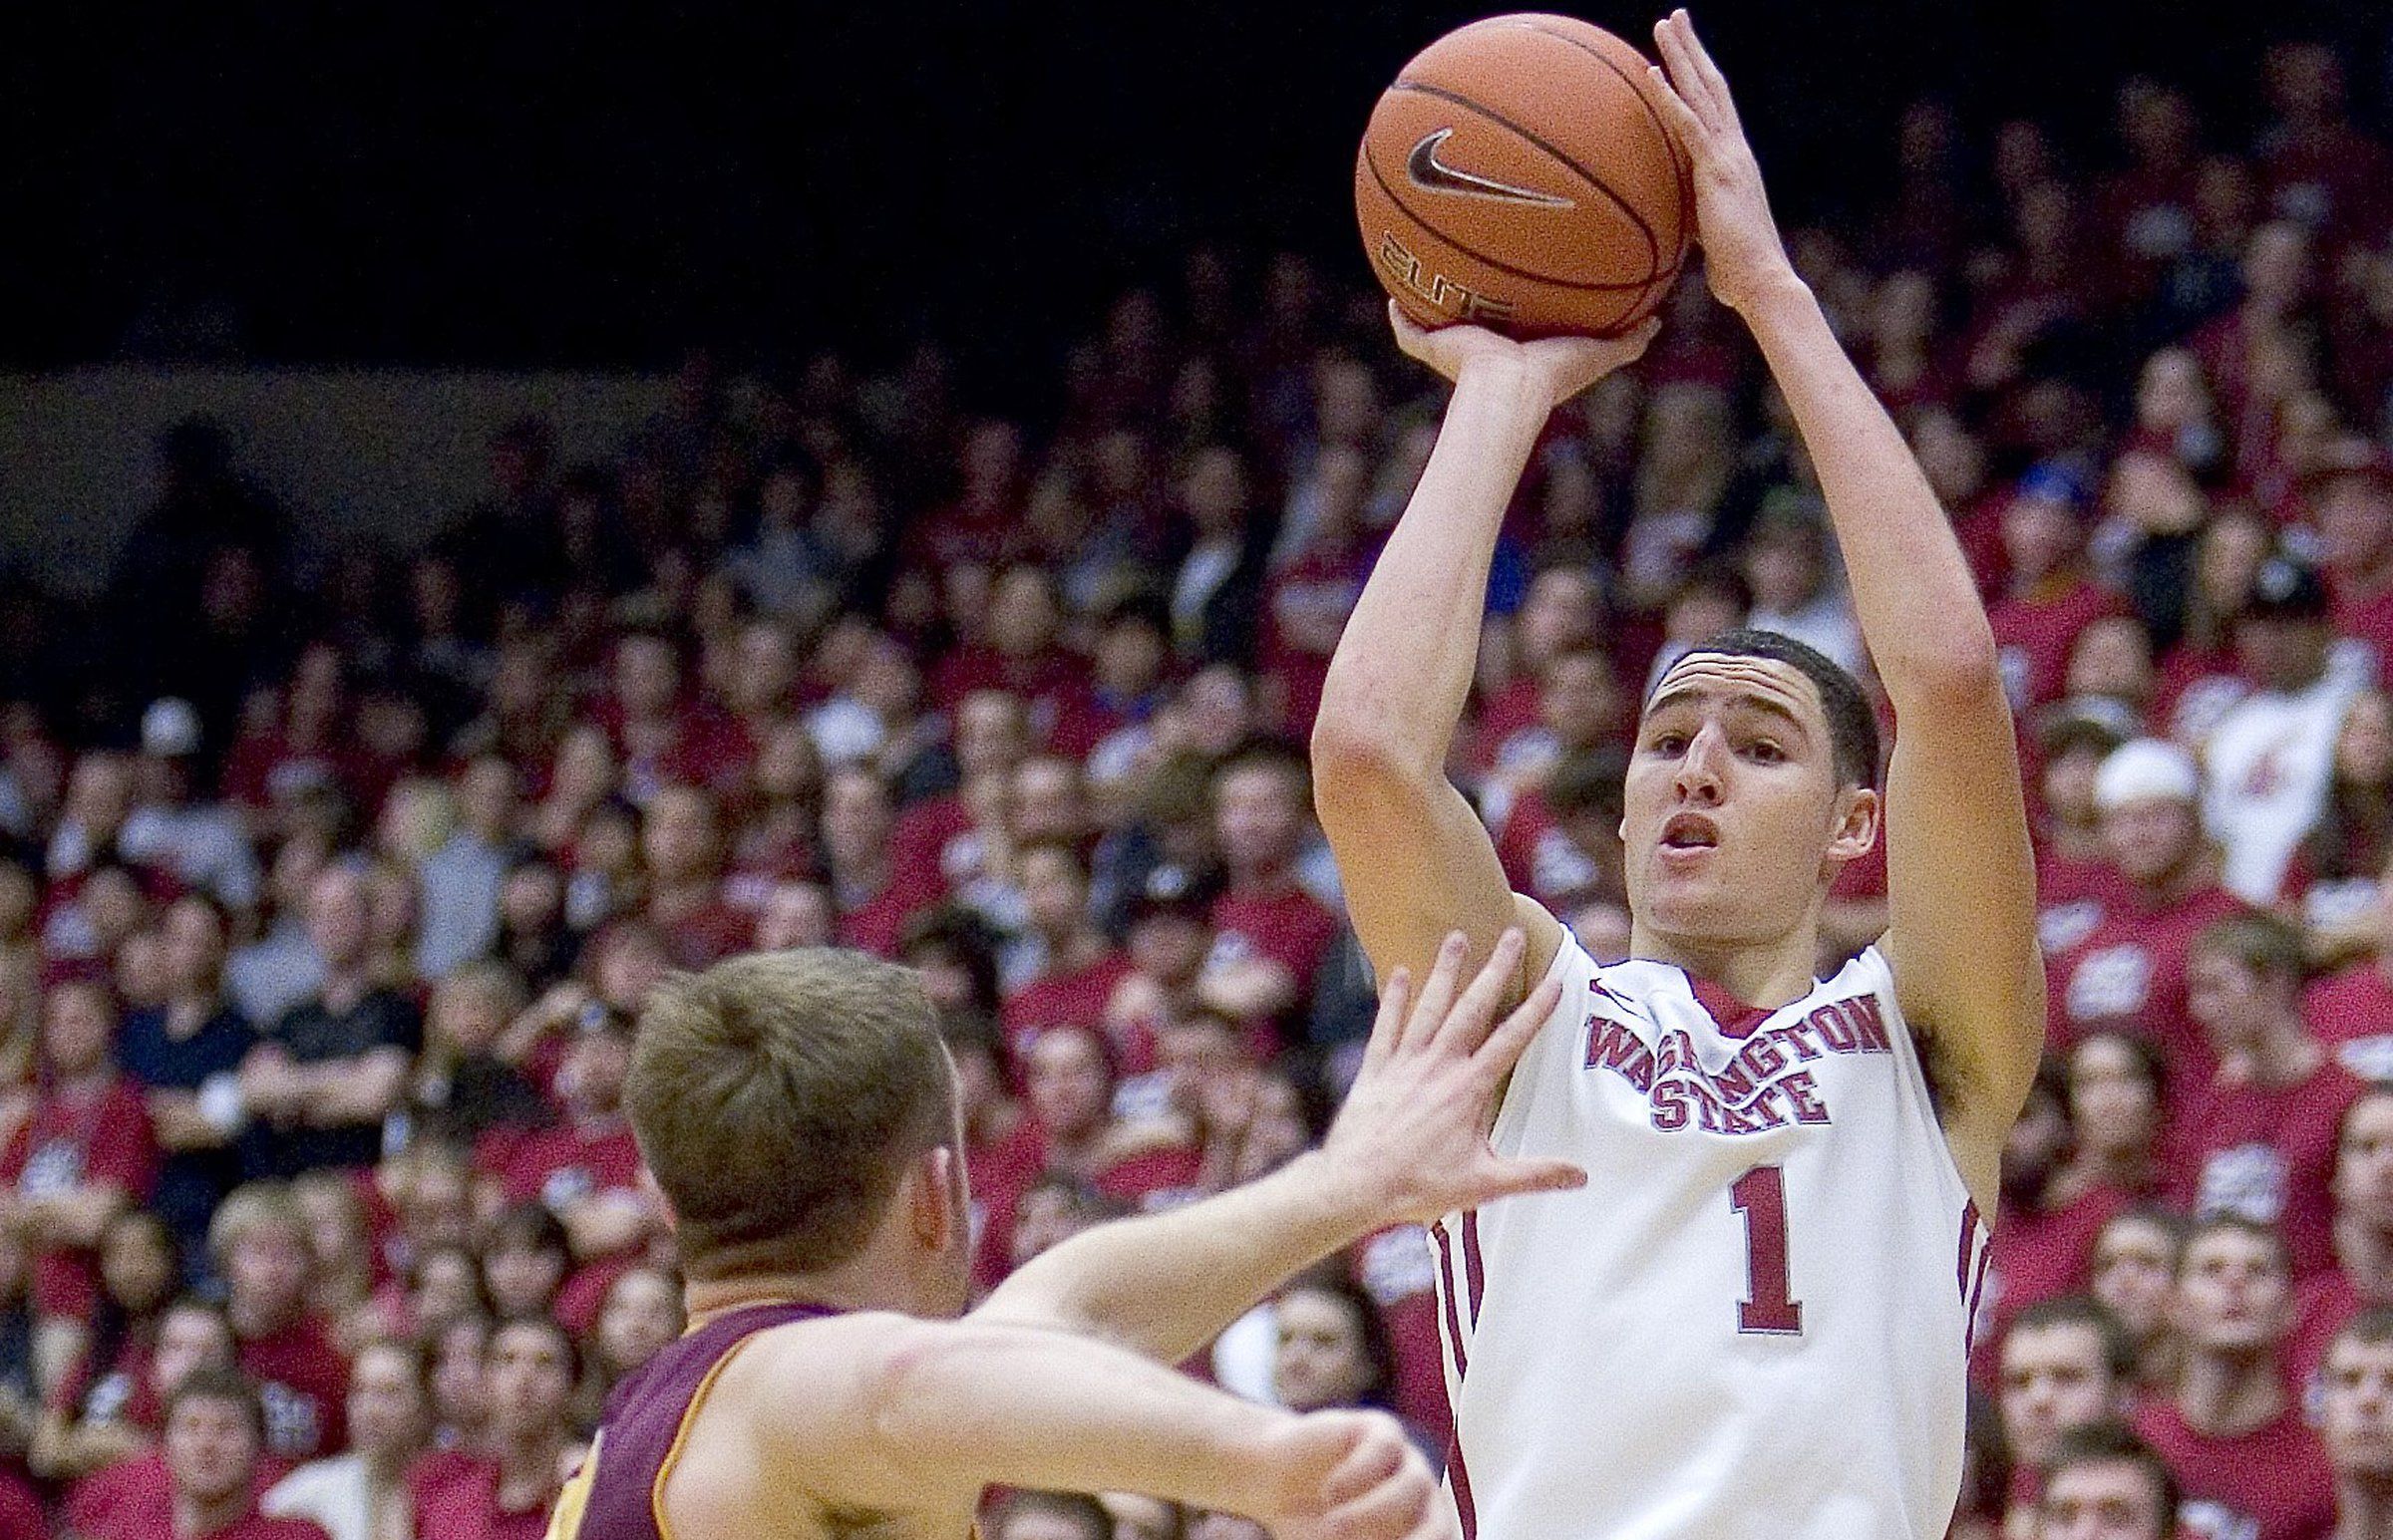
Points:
(2118, 1352)
(2260, 943)
(2110, 1442)
(529, 1225)
(216, 1383)
(2237, 1224)
(541, 1321)
(1851, 724)
(2371, 1327)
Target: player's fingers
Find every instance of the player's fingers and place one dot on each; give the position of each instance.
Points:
(1369, 1464)
(1510, 1038)
(1388, 1025)
(1410, 334)
(1681, 117)
(1437, 992)
(1392, 1507)
(1465, 1026)
(1715, 82)
(1685, 81)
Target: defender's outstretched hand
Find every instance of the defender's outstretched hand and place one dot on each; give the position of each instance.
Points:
(1416, 1122)
(1565, 365)
(1743, 257)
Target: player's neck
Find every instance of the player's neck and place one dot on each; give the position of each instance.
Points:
(869, 1280)
(1767, 975)
(2228, 1395)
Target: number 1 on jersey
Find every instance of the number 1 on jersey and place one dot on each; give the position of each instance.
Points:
(1761, 1196)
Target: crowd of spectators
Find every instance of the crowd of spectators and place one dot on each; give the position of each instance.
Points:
(334, 879)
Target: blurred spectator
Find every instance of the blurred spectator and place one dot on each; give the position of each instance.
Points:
(363, 1494)
(2043, 1247)
(2362, 1276)
(1077, 970)
(264, 1248)
(525, 1259)
(106, 1403)
(2334, 870)
(2134, 1272)
(2108, 1484)
(532, 1367)
(2063, 1367)
(2232, 1433)
(2116, 1087)
(461, 879)
(2357, 1424)
(462, 1088)
(2260, 1137)
(2052, 595)
(188, 1053)
(172, 827)
(640, 1317)
(585, 1170)
(214, 1441)
(1272, 934)
(323, 1078)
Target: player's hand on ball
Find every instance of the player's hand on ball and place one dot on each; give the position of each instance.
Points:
(1349, 1475)
(1414, 1130)
(1560, 367)
(1743, 257)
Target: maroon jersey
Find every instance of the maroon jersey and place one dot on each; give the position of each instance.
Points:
(2267, 1153)
(614, 1495)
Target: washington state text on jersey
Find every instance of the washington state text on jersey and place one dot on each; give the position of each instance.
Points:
(1746, 1094)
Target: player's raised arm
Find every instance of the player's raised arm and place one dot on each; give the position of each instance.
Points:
(1410, 1145)
(1960, 879)
(885, 1415)
(1416, 861)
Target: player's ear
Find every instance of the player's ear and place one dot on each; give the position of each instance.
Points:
(934, 1196)
(1856, 824)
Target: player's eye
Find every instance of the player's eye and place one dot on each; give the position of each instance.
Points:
(1669, 744)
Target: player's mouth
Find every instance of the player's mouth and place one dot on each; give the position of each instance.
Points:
(1689, 832)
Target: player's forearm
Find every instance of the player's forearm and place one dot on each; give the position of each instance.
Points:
(1403, 669)
(1911, 590)
(1009, 1407)
(1168, 1284)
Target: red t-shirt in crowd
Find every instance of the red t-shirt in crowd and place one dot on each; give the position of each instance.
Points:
(709, 934)
(1320, 583)
(2321, 1307)
(878, 923)
(2128, 975)
(2071, 897)
(1074, 999)
(2274, 1478)
(71, 1142)
(2267, 1153)
(2352, 1013)
(459, 1500)
(1284, 923)
(121, 1391)
(1150, 1180)
(2038, 1256)
(562, 1167)
(2033, 637)
(933, 848)
(1397, 1268)
(135, 1500)
(1510, 711)
(1540, 858)
(305, 1383)
(20, 1510)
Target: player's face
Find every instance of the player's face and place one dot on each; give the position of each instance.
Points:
(2231, 1293)
(1733, 821)
(2053, 1380)
(2359, 1409)
(2102, 1500)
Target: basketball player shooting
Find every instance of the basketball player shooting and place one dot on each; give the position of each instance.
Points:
(799, 1114)
(1752, 1321)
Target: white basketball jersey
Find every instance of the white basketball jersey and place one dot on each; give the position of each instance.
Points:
(1752, 1321)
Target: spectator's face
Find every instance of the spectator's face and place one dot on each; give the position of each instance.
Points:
(1258, 816)
(591, 1081)
(2355, 520)
(991, 733)
(2171, 393)
(388, 1413)
(2053, 1380)
(2036, 1145)
(2103, 1500)
(486, 797)
(1068, 1086)
(787, 768)
(678, 839)
(1047, 800)
(586, 769)
(2281, 654)
(1170, 945)
(78, 1026)
(447, 1288)
(267, 1270)
(532, 899)
(2357, 1415)
(2364, 747)
(634, 963)
(2231, 1294)
(855, 820)
(100, 794)
(468, 1016)
(433, 1205)
(796, 914)
(1219, 707)
(339, 921)
(1321, 1358)
(641, 1317)
(195, 947)
(1022, 618)
(1214, 490)
(190, 1340)
(2133, 1270)
(2111, 658)
(113, 905)
(2112, 1100)
(2234, 1004)
(1578, 701)
(2149, 839)
(1055, 892)
(136, 1263)
(647, 676)
(1129, 656)
(1277, 1133)
(2363, 1180)
(992, 459)
(522, 1279)
(2069, 785)
(210, 1448)
(2040, 535)
(531, 1379)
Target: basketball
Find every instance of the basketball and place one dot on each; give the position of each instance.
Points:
(1519, 175)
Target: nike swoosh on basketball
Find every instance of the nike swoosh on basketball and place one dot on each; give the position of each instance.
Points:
(1434, 175)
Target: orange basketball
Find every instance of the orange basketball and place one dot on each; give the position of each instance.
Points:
(1519, 174)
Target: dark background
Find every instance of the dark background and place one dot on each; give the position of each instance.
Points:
(529, 180)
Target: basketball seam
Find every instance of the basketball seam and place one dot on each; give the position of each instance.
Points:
(1653, 247)
(1413, 215)
(1679, 165)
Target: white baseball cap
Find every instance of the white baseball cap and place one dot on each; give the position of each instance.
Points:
(170, 729)
(2144, 770)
